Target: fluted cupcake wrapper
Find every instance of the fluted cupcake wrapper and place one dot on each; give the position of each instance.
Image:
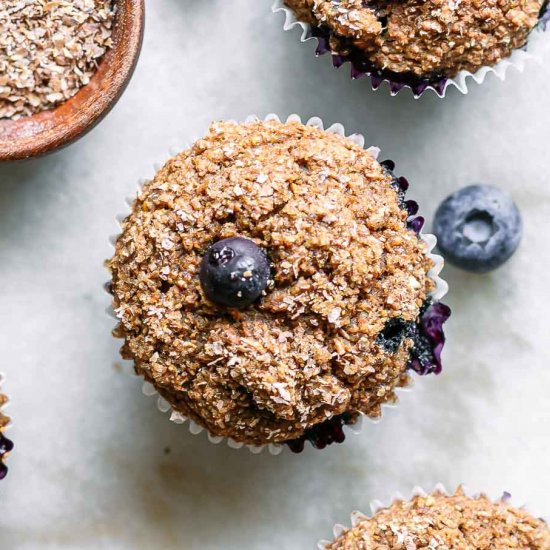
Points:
(6, 445)
(335, 429)
(376, 505)
(533, 50)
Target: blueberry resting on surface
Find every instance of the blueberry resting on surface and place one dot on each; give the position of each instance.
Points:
(478, 228)
(234, 272)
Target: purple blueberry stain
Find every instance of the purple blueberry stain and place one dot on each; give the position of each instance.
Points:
(412, 207)
(324, 434)
(403, 183)
(416, 224)
(429, 340)
(6, 446)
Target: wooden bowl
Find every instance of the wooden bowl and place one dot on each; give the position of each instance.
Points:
(48, 131)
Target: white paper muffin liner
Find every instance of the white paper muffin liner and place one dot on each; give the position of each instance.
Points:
(3, 457)
(376, 505)
(440, 290)
(534, 50)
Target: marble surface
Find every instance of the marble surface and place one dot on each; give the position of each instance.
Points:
(96, 465)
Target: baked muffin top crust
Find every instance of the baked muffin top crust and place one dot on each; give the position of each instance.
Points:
(454, 522)
(423, 38)
(344, 264)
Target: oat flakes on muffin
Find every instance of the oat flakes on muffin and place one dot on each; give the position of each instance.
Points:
(446, 522)
(420, 43)
(325, 270)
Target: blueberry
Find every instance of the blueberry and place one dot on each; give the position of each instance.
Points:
(478, 228)
(234, 272)
(427, 336)
(395, 331)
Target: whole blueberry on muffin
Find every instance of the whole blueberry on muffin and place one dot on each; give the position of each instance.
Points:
(272, 285)
(420, 42)
(5, 444)
(451, 522)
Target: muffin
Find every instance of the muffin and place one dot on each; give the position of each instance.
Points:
(272, 285)
(452, 522)
(419, 43)
(5, 444)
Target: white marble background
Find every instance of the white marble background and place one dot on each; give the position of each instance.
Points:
(96, 465)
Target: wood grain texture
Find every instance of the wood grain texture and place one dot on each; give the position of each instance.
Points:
(50, 130)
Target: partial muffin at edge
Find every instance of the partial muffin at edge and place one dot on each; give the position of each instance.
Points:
(455, 522)
(429, 39)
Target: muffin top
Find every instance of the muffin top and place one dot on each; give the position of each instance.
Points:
(450, 522)
(345, 266)
(425, 38)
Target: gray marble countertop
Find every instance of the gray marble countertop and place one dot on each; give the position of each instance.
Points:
(96, 465)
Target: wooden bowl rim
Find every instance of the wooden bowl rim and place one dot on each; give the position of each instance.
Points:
(48, 131)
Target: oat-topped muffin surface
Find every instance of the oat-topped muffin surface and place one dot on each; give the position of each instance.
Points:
(338, 323)
(454, 522)
(422, 39)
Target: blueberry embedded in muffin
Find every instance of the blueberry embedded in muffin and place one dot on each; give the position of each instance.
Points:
(234, 273)
(453, 522)
(419, 43)
(6, 444)
(255, 279)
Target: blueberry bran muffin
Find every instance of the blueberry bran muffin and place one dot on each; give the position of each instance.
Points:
(419, 43)
(347, 311)
(455, 522)
(6, 445)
